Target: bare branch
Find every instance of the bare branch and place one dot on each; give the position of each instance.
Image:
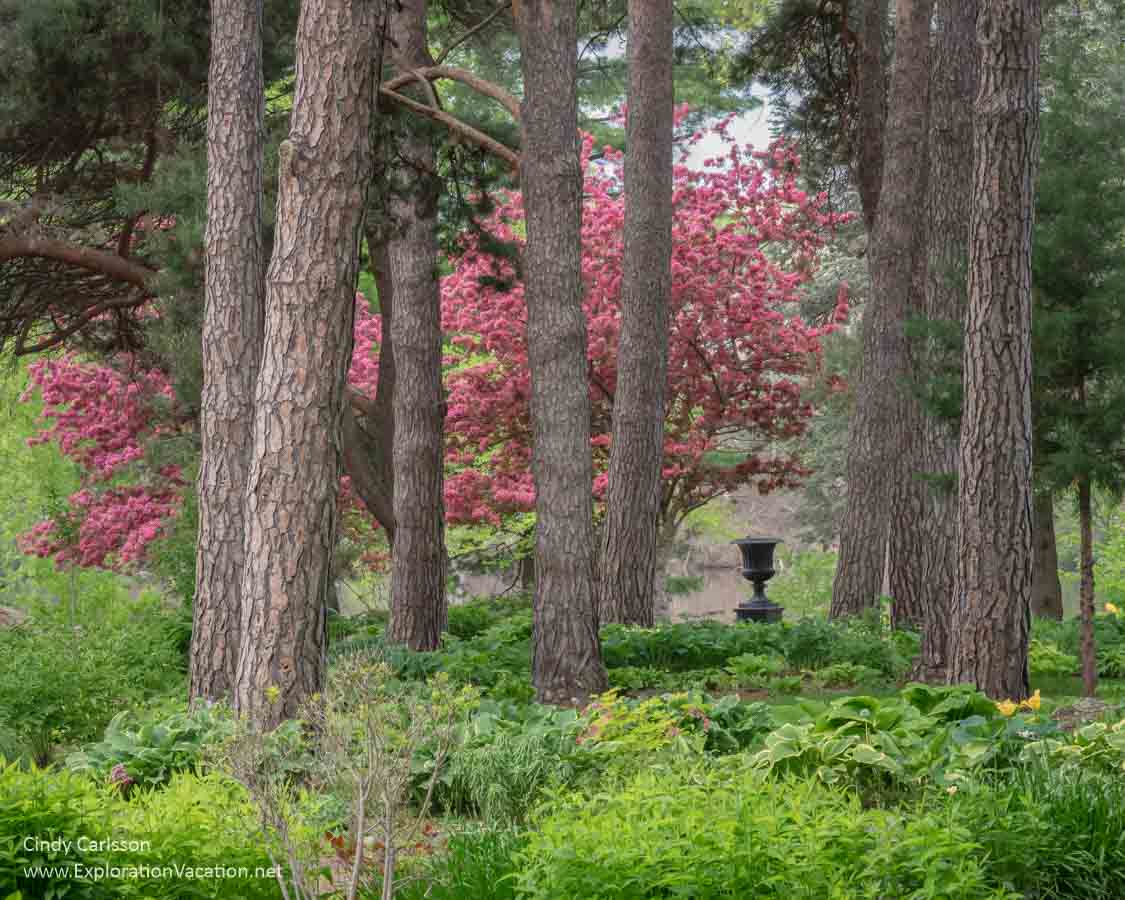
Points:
(109, 264)
(478, 84)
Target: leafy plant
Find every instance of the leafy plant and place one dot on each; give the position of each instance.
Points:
(754, 670)
(841, 675)
(61, 685)
(1045, 658)
(149, 753)
(708, 832)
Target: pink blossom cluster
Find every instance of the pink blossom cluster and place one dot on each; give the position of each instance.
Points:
(101, 417)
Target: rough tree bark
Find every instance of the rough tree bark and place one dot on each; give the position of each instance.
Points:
(1046, 590)
(953, 84)
(628, 553)
(991, 606)
(1088, 648)
(324, 169)
(863, 534)
(418, 563)
(567, 656)
(232, 335)
(871, 102)
(898, 272)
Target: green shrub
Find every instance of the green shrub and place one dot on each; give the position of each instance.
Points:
(202, 821)
(1045, 658)
(61, 685)
(842, 675)
(635, 678)
(477, 865)
(469, 620)
(1095, 747)
(754, 670)
(150, 752)
(1111, 662)
(1049, 832)
(49, 806)
(708, 833)
(195, 823)
(505, 763)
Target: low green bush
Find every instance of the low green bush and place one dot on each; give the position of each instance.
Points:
(148, 753)
(197, 838)
(505, 761)
(1049, 832)
(754, 670)
(1045, 658)
(472, 619)
(39, 808)
(62, 685)
(707, 832)
(478, 865)
(202, 821)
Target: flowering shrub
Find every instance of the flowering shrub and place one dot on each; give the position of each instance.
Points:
(101, 418)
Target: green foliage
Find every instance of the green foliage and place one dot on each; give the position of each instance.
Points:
(754, 670)
(1046, 658)
(845, 675)
(889, 747)
(804, 585)
(197, 822)
(1049, 833)
(62, 685)
(1096, 747)
(707, 833)
(50, 806)
(204, 821)
(506, 760)
(150, 752)
(472, 619)
(1079, 269)
(478, 865)
(172, 556)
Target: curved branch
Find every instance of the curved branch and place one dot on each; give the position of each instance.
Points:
(455, 125)
(481, 85)
(99, 261)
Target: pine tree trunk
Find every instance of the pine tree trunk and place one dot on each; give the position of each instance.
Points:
(418, 563)
(953, 84)
(232, 335)
(324, 170)
(865, 529)
(872, 108)
(567, 656)
(898, 273)
(367, 435)
(628, 557)
(1088, 648)
(991, 606)
(1046, 590)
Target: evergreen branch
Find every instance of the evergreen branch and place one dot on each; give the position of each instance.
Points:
(455, 125)
(482, 24)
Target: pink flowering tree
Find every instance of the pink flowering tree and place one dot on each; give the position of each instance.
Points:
(101, 417)
(745, 239)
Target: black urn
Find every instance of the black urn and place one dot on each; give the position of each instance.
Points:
(757, 567)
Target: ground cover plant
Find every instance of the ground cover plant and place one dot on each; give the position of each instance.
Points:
(800, 739)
